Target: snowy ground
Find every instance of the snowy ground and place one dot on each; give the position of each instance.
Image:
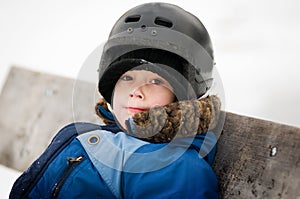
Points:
(7, 178)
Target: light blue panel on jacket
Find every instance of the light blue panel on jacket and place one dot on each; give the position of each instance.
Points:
(109, 154)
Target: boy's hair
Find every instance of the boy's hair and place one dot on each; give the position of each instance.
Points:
(161, 35)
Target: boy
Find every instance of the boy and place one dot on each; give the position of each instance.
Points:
(160, 55)
(155, 69)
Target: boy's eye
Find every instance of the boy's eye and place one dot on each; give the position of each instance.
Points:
(156, 81)
(126, 78)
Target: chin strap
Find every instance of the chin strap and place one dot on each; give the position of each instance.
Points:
(175, 120)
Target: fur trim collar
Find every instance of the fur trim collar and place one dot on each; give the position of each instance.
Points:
(175, 120)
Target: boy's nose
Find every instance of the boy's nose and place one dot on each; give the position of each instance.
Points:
(137, 93)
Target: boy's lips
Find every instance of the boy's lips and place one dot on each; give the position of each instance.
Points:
(136, 109)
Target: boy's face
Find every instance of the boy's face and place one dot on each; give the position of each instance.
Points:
(137, 91)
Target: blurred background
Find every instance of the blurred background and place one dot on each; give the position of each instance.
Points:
(256, 48)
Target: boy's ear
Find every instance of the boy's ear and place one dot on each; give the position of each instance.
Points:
(103, 111)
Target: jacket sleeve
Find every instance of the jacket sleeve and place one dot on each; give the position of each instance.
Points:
(190, 176)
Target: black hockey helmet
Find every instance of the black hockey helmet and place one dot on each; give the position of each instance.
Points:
(158, 33)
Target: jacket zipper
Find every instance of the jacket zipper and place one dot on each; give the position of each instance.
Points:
(72, 164)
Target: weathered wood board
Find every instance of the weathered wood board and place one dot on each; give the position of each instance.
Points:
(258, 159)
(33, 107)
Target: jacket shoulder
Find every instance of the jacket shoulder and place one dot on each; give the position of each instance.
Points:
(62, 139)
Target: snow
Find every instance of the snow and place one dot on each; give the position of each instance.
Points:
(8, 177)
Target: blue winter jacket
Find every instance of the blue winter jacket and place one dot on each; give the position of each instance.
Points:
(107, 163)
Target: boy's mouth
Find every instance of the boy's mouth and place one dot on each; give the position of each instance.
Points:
(136, 109)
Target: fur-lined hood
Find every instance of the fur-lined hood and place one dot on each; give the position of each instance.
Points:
(175, 120)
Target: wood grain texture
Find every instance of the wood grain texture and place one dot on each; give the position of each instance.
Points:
(33, 107)
(257, 159)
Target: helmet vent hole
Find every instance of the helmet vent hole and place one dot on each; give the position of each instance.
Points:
(163, 22)
(133, 18)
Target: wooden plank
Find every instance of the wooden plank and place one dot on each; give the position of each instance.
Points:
(258, 159)
(33, 107)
